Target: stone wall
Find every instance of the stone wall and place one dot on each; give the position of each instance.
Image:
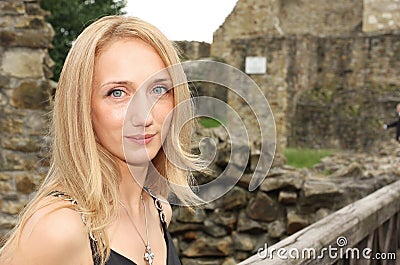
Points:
(329, 84)
(273, 84)
(344, 89)
(193, 50)
(25, 69)
(326, 92)
(235, 226)
(252, 18)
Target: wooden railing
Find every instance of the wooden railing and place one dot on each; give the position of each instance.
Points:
(364, 232)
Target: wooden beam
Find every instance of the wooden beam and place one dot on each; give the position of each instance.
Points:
(354, 222)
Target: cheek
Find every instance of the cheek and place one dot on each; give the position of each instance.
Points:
(107, 122)
(161, 112)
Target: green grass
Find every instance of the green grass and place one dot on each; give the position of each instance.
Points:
(210, 122)
(300, 158)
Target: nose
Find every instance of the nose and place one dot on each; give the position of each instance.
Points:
(139, 110)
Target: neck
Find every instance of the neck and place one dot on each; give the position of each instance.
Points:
(131, 185)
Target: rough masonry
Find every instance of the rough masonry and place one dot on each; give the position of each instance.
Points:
(25, 90)
(332, 76)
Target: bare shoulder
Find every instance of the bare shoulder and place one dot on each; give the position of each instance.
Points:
(54, 234)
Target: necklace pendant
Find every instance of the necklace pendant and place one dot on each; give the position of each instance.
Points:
(149, 255)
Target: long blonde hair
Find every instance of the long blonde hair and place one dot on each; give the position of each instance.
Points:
(79, 164)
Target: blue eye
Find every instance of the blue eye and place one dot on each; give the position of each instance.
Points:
(160, 90)
(116, 93)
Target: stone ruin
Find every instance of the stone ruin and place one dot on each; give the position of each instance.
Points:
(235, 226)
(315, 72)
(332, 73)
(332, 80)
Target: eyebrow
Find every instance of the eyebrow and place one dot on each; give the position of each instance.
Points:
(129, 83)
(117, 83)
(161, 80)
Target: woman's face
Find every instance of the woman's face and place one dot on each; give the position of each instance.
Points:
(132, 97)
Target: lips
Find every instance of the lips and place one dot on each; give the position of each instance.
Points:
(141, 139)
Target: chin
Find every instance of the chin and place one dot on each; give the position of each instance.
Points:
(139, 157)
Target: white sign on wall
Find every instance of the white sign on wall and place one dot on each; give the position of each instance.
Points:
(256, 65)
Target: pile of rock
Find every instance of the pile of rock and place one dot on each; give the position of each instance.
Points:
(233, 227)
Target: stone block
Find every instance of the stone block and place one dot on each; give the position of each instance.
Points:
(23, 63)
(7, 37)
(276, 229)
(227, 219)
(12, 125)
(354, 170)
(34, 9)
(12, 8)
(235, 198)
(177, 227)
(243, 242)
(16, 121)
(289, 180)
(320, 188)
(187, 216)
(295, 222)
(287, 197)
(247, 225)
(13, 161)
(21, 22)
(28, 38)
(25, 184)
(30, 95)
(7, 222)
(209, 247)
(22, 143)
(191, 235)
(214, 230)
(13, 207)
(6, 186)
(263, 208)
(5, 176)
(244, 180)
(37, 124)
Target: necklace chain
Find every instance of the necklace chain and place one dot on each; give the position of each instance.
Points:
(148, 254)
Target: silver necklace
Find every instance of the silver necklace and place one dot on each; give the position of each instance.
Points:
(148, 253)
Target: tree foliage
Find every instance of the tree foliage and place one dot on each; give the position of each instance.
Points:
(70, 17)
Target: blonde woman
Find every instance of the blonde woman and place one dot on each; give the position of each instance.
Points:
(93, 207)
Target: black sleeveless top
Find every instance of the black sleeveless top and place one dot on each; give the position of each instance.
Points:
(118, 259)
